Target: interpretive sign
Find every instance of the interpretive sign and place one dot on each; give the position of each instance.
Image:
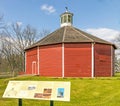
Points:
(43, 90)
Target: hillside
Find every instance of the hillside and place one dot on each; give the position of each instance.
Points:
(84, 92)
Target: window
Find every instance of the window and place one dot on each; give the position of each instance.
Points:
(65, 18)
(61, 19)
(69, 18)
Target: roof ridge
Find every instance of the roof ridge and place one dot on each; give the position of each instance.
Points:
(82, 34)
(64, 34)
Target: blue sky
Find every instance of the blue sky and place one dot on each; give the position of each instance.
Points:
(98, 17)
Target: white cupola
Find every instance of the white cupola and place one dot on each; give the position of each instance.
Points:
(66, 19)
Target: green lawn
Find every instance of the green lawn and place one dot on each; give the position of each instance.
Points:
(84, 92)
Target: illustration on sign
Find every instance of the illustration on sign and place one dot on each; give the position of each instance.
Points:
(46, 94)
(60, 93)
(31, 87)
(11, 92)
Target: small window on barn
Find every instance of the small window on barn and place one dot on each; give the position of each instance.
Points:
(61, 19)
(69, 18)
(65, 18)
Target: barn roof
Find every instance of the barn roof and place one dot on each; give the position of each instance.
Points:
(69, 34)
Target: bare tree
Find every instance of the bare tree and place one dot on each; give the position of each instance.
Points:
(8, 52)
(0, 59)
(117, 60)
(14, 40)
(2, 25)
(1, 28)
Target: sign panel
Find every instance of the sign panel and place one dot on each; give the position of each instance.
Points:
(43, 90)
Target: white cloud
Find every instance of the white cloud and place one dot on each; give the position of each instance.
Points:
(104, 33)
(48, 8)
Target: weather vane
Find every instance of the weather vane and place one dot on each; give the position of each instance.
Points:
(66, 9)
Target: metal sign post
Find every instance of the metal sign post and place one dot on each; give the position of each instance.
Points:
(19, 102)
(51, 103)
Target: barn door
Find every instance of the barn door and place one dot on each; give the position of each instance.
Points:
(34, 67)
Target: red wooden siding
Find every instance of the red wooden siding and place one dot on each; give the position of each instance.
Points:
(77, 60)
(31, 61)
(51, 60)
(102, 60)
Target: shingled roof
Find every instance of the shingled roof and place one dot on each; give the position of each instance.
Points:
(69, 34)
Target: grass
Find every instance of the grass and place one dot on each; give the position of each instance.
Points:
(84, 92)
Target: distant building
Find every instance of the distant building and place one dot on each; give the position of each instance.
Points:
(70, 52)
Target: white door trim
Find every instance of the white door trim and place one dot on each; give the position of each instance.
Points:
(34, 68)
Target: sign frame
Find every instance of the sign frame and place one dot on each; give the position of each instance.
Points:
(42, 90)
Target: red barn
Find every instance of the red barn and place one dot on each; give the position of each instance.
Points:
(70, 52)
